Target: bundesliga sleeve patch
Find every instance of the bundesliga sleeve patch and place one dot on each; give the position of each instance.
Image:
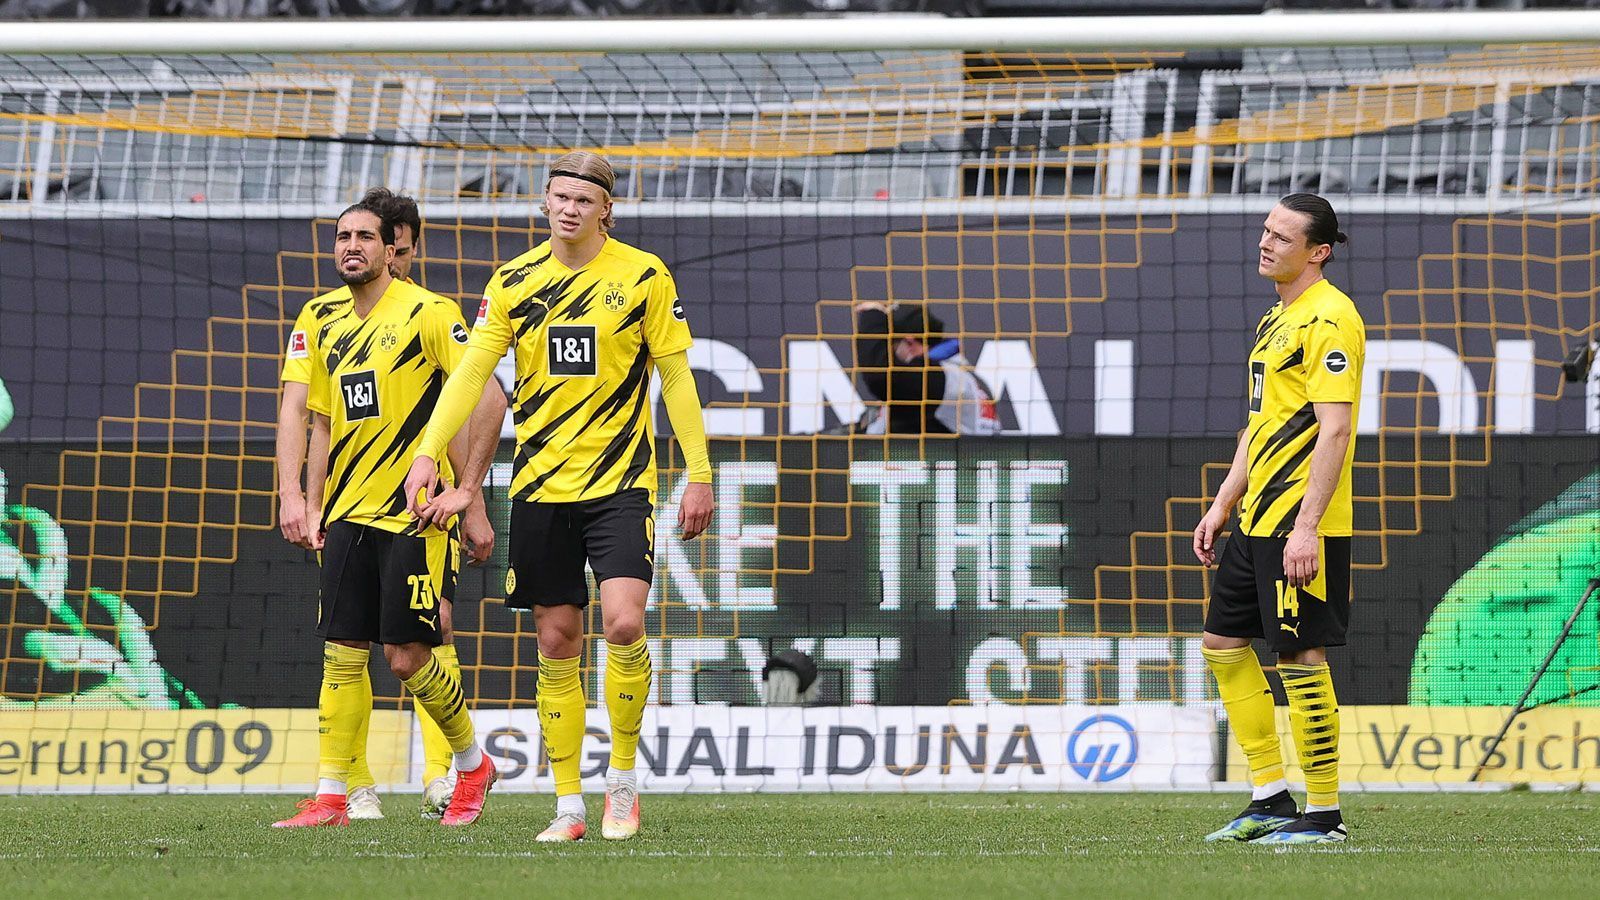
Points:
(1336, 361)
(297, 345)
(483, 312)
(458, 332)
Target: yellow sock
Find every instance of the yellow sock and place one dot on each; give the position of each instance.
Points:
(435, 749)
(561, 718)
(1248, 699)
(439, 694)
(1314, 720)
(339, 711)
(360, 771)
(628, 675)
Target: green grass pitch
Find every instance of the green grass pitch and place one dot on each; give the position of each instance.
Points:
(823, 847)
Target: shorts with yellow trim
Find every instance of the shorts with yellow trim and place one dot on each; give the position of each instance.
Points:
(1251, 598)
(383, 587)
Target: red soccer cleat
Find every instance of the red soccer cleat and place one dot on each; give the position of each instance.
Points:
(466, 804)
(323, 809)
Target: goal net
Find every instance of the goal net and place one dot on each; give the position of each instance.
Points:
(984, 611)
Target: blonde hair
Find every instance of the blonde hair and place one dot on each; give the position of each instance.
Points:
(590, 167)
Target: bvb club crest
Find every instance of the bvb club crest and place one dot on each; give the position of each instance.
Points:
(511, 581)
(615, 299)
(389, 339)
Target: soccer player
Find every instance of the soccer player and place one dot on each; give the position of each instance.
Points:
(301, 524)
(379, 355)
(477, 536)
(1284, 574)
(590, 317)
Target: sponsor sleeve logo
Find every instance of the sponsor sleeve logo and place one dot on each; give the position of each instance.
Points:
(458, 332)
(297, 345)
(677, 310)
(1336, 361)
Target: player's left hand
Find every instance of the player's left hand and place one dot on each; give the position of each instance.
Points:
(1300, 557)
(445, 505)
(477, 535)
(420, 484)
(694, 511)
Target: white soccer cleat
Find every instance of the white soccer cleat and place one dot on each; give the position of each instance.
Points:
(621, 819)
(364, 803)
(565, 829)
(436, 796)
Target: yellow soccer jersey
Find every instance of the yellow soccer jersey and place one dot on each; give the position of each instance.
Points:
(584, 343)
(1310, 352)
(297, 361)
(377, 379)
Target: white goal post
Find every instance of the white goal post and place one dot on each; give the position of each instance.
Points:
(809, 34)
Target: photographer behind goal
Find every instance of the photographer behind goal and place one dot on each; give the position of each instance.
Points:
(917, 375)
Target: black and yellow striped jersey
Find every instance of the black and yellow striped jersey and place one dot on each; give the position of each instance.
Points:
(584, 343)
(1311, 351)
(377, 380)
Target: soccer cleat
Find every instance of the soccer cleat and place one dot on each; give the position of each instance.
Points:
(1261, 817)
(466, 801)
(621, 819)
(363, 803)
(1311, 828)
(566, 828)
(436, 796)
(323, 809)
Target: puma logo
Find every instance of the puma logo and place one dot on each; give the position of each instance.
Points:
(1292, 629)
(434, 622)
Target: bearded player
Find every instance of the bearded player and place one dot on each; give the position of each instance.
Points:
(301, 523)
(379, 355)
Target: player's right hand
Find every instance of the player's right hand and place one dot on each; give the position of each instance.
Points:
(1205, 536)
(420, 484)
(477, 535)
(317, 535)
(292, 521)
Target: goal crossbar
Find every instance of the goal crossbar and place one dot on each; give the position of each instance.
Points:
(1087, 34)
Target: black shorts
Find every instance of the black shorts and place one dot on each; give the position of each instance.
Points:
(383, 587)
(1250, 598)
(550, 542)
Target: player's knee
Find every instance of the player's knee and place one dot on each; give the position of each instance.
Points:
(1220, 642)
(1314, 656)
(560, 630)
(625, 629)
(556, 644)
(405, 660)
